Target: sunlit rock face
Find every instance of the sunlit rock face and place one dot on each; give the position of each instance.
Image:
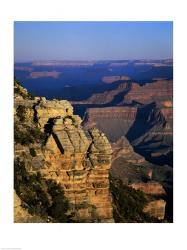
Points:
(151, 187)
(78, 160)
(160, 91)
(156, 209)
(81, 164)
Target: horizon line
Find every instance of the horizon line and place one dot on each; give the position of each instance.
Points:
(89, 60)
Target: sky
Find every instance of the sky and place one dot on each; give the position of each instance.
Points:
(92, 40)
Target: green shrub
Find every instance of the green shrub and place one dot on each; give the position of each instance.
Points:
(19, 90)
(21, 113)
(32, 152)
(37, 135)
(43, 197)
(128, 203)
(22, 137)
(28, 135)
(31, 96)
(60, 204)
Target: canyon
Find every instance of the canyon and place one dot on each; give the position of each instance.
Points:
(144, 114)
(77, 160)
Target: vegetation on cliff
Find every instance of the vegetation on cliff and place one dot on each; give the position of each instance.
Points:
(19, 90)
(128, 203)
(39, 196)
(26, 135)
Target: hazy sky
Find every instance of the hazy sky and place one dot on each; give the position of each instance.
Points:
(92, 40)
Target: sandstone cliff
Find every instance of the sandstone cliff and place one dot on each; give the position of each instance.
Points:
(151, 187)
(77, 160)
(160, 91)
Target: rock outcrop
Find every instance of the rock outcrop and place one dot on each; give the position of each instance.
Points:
(81, 166)
(112, 79)
(45, 110)
(156, 209)
(159, 91)
(151, 187)
(126, 92)
(78, 160)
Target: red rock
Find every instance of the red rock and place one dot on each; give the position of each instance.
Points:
(160, 91)
(153, 188)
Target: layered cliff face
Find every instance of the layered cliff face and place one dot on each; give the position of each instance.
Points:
(78, 161)
(118, 108)
(127, 165)
(109, 97)
(111, 79)
(81, 165)
(159, 91)
(151, 187)
(151, 134)
(122, 148)
(127, 92)
(142, 113)
(149, 127)
(114, 121)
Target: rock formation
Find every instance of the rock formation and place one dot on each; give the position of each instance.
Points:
(109, 96)
(159, 91)
(151, 134)
(78, 160)
(111, 79)
(156, 209)
(151, 187)
(81, 166)
(115, 122)
(122, 148)
(126, 92)
(127, 165)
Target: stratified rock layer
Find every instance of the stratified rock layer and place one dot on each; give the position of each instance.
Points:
(156, 209)
(152, 187)
(81, 166)
(114, 121)
(77, 160)
(160, 91)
